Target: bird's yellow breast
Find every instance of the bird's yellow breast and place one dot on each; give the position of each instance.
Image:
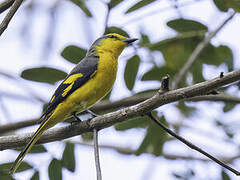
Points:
(91, 92)
(99, 85)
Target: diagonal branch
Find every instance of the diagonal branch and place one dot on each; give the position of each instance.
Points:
(5, 5)
(10, 15)
(197, 51)
(124, 114)
(192, 146)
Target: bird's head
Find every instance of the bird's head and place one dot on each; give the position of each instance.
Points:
(112, 43)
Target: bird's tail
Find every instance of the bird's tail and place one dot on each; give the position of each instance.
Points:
(34, 139)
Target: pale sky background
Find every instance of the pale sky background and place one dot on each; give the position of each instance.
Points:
(16, 56)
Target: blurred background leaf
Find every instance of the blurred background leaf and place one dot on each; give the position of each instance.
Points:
(73, 54)
(43, 74)
(186, 25)
(68, 157)
(131, 71)
(81, 4)
(55, 170)
(139, 5)
(114, 29)
(35, 149)
(154, 140)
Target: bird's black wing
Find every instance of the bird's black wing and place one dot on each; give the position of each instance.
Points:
(82, 72)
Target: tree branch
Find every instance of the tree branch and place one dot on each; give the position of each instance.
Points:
(5, 5)
(107, 18)
(197, 51)
(129, 101)
(101, 107)
(110, 119)
(192, 146)
(17, 125)
(10, 15)
(218, 97)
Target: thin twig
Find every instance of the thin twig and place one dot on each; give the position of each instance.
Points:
(17, 125)
(96, 154)
(197, 51)
(10, 15)
(107, 18)
(5, 5)
(192, 146)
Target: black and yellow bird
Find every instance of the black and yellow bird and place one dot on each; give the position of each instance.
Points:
(88, 82)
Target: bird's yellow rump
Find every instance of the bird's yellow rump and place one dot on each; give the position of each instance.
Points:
(88, 82)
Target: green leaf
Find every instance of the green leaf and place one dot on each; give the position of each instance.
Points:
(219, 123)
(190, 36)
(131, 71)
(177, 52)
(197, 73)
(234, 4)
(114, 3)
(230, 134)
(156, 73)
(224, 54)
(139, 5)
(228, 107)
(178, 176)
(35, 149)
(144, 41)
(114, 29)
(43, 74)
(5, 176)
(55, 170)
(35, 176)
(154, 140)
(221, 5)
(209, 56)
(68, 157)
(139, 122)
(216, 55)
(88, 136)
(225, 176)
(73, 54)
(186, 25)
(4, 171)
(4, 168)
(81, 4)
(23, 167)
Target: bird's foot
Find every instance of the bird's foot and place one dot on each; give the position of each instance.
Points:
(92, 113)
(76, 118)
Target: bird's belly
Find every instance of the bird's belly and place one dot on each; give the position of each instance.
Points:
(89, 93)
(94, 90)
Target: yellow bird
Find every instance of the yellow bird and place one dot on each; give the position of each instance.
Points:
(88, 82)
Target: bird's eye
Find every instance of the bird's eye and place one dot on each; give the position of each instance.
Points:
(111, 36)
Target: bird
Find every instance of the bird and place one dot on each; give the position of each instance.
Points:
(87, 83)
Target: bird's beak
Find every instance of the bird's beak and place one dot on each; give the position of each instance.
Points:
(129, 40)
